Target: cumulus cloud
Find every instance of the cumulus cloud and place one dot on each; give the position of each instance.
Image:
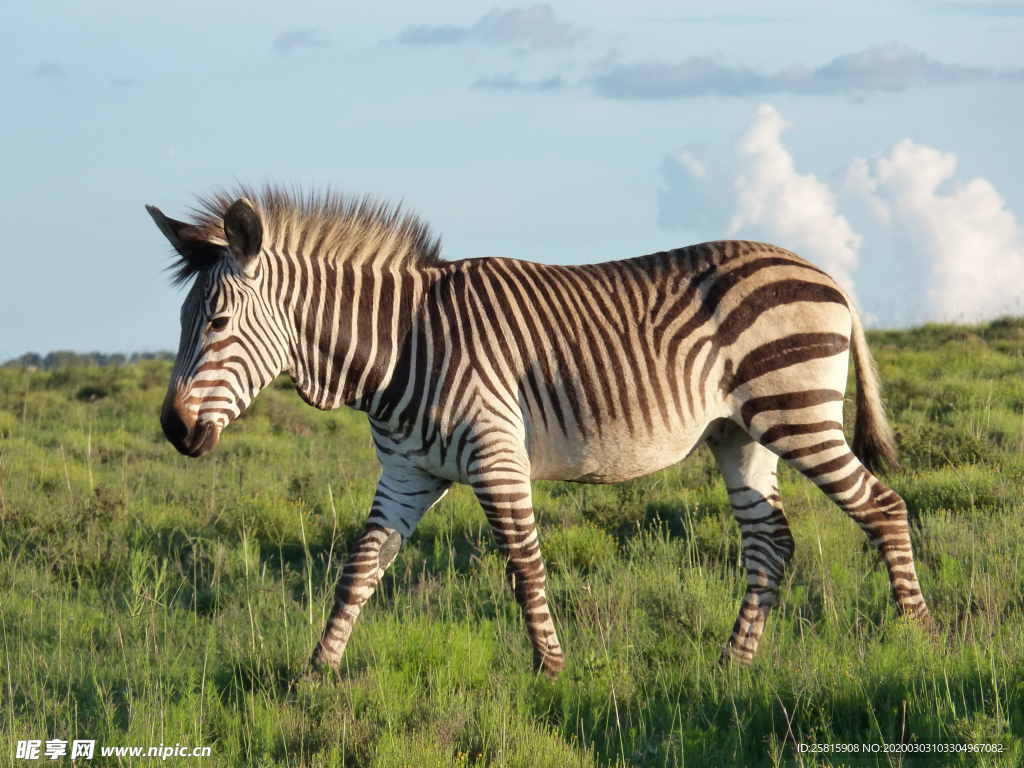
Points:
(755, 192)
(927, 248)
(969, 246)
(293, 39)
(886, 67)
(536, 28)
(774, 202)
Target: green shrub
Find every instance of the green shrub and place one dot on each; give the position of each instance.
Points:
(934, 446)
(579, 548)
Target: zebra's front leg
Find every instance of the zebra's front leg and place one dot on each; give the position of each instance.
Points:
(398, 506)
(508, 505)
(749, 470)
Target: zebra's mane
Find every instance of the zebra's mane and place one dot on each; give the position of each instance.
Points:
(328, 226)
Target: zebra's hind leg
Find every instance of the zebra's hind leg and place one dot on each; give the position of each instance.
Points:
(508, 505)
(397, 508)
(749, 472)
(820, 452)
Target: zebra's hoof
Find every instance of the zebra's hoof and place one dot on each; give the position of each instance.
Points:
(551, 666)
(318, 673)
(929, 626)
(732, 658)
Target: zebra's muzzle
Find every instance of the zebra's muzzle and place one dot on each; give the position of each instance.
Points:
(199, 441)
(193, 440)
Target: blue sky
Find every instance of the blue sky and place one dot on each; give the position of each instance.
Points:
(881, 140)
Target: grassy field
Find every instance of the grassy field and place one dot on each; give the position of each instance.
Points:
(147, 598)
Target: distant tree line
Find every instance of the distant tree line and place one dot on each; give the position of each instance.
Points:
(65, 359)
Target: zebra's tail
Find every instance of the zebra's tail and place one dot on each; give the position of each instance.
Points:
(873, 440)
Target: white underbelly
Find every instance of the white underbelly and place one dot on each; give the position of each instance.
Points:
(612, 457)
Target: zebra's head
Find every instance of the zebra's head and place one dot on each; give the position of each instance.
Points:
(232, 344)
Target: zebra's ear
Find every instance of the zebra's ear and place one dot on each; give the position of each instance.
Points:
(193, 246)
(244, 232)
(178, 233)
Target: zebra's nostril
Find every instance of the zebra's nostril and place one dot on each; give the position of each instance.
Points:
(175, 428)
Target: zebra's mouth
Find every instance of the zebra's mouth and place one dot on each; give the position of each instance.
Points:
(197, 441)
(204, 438)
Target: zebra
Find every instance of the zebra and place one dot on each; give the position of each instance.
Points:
(492, 372)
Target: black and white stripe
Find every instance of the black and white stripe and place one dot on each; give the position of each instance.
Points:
(493, 372)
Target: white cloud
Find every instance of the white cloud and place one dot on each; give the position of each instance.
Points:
(756, 193)
(692, 165)
(969, 246)
(928, 249)
(796, 211)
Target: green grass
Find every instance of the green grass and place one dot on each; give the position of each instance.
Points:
(148, 598)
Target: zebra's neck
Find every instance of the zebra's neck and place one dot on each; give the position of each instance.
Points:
(351, 332)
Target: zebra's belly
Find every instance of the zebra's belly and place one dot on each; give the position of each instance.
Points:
(609, 458)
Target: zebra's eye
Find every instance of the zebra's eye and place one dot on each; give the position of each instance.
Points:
(218, 324)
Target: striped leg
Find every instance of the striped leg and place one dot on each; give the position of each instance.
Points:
(397, 508)
(749, 472)
(507, 502)
(820, 452)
